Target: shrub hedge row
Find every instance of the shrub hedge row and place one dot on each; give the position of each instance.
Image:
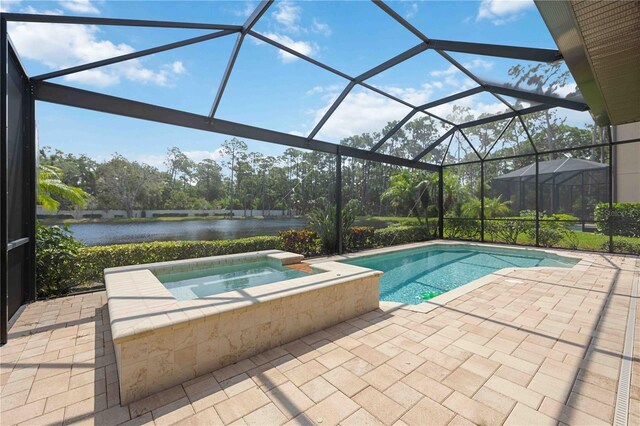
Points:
(79, 265)
(91, 261)
(400, 235)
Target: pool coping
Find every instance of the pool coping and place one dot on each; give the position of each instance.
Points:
(444, 298)
(139, 304)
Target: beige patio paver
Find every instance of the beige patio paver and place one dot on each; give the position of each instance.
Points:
(532, 346)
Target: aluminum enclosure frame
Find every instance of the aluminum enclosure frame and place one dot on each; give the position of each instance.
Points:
(45, 91)
(440, 46)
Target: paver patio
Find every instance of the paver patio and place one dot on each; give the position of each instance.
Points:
(530, 347)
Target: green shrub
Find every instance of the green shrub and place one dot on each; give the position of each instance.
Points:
(550, 232)
(462, 228)
(400, 235)
(93, 260)
(623, 220)
(360, 237)
(622, 246)
(563, 217)
(552, 229)
(171, 214)
(304, 241)
(56, 260)
(323, 221)
(508, 230)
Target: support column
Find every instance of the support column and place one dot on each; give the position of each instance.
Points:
(482, 201)
(31, 181)
(537, 201)
(339, 199)
(610, 189)
(441, 202)
(4, 235)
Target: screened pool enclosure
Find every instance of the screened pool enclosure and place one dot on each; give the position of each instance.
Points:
(521, 162)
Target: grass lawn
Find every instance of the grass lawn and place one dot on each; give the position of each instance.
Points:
(411, 220)
(581, 241)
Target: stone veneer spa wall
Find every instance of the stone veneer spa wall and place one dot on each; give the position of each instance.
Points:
(161, 342)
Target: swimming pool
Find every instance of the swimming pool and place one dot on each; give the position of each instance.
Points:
(415, 275)
(205, 282)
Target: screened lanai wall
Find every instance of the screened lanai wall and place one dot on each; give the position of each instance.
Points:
(444, 153)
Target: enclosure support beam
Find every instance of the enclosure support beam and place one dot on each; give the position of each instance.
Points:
(407, 54)
(133, 55)
(246, 27)
(85, 20)
(510, 114)
(434, 145)
(331, 110)
(497, 50)
(472, 76)
(441, 203)
(537, 97)
(226, 75)
(65, 95)
(339, 200)
(393, 131)
(4, 235)
(498, 139)
(452, 98)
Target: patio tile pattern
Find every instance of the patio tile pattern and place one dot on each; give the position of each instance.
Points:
(530, 347)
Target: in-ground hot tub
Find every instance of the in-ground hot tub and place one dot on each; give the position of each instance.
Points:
(173, 321)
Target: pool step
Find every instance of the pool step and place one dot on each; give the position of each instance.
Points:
(302, 267)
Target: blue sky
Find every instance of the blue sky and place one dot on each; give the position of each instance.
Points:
(268, 88)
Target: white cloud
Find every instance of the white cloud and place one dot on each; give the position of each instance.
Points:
(288, 15)
(478, 63)
(365, 111)
(566, 90)
(452, 70)
(447, 71)
(31, 9)
(178, 67)
(305, 47)
(287, 20)
(456, 78)
(500, 12)
(7, 5)
(322, 89)
(320, 28)
(199, 155)
(413, 9)
(95, 77)
(246, 11)
(80, 6)
(155, 160)
(61, 46)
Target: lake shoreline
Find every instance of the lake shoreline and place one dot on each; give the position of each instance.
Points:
(100, 232)
(56, 221)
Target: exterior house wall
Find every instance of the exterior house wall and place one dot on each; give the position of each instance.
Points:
(627, 164)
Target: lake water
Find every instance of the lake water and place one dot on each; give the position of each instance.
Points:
(94, 234)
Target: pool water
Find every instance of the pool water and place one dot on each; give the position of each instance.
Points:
(221, 279)
(415, 275)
